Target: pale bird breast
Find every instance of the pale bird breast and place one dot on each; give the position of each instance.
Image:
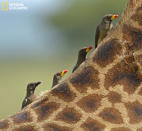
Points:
(33, 97)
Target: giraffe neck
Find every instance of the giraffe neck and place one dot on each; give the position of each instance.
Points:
(103, 94)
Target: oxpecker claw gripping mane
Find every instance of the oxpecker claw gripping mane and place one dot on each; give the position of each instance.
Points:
(103, 94)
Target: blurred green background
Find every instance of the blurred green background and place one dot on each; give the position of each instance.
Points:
(45, 39)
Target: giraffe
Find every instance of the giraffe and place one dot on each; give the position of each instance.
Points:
(104, 94)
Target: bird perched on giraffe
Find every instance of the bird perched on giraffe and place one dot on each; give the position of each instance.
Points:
(81, 56)
(30, 96)
(57, 77)
(104, 27)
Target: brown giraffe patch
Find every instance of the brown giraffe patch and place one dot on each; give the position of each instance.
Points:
(22, 117)
(140, 91)
(41, 102)
(114, 97)
(139, 129)
(134, 112)
(125, 75)
(63, 92)
(138, 59)
(92, 125)
(44, 111)
(25, 128)
(111, 115)
(54, 127)
(4, 124)
(87, 77)
(120, 129)
(69, 115)
(137, 16)
(90, 103)
(107, 52)
(133, 37)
